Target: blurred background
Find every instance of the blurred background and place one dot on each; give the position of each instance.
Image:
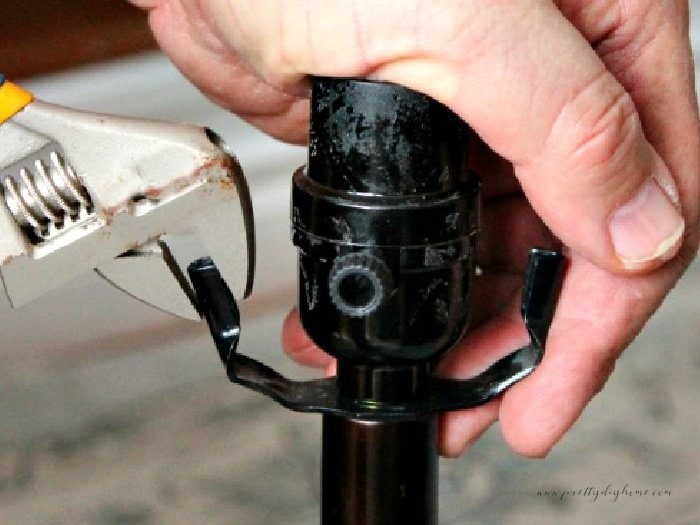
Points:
(113, 413)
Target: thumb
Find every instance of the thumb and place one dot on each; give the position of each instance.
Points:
(600, 185)
(578, 146)
(610, 197)
(571, 130)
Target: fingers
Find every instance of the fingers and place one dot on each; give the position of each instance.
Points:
(144, 4)
(592, 161)
(597, 316)
(299, 346)
(646, 46)
(599, 313)
(222, 75)
(459, 430)
(476, 352)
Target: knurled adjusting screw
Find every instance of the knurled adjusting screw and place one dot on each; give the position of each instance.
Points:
(359, 283)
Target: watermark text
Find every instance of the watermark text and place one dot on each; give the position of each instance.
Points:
(609, 493)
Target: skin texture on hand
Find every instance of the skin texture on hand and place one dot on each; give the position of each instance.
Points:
(589, 139)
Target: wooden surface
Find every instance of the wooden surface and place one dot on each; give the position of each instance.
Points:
(39, 36)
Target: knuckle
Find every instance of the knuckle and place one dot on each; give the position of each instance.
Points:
(608, 132)
(607, 136)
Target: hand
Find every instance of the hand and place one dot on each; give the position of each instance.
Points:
(589, 122)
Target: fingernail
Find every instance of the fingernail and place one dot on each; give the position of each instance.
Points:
(647, 229)
(664, 179)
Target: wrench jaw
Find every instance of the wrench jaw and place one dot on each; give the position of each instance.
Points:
(91, 191)
(151, 274)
